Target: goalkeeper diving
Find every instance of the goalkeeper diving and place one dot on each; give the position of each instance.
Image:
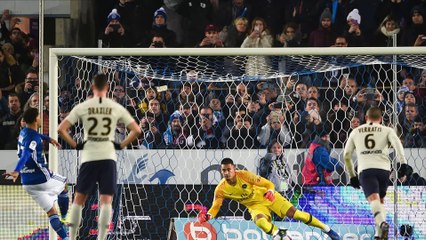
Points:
(258, 195)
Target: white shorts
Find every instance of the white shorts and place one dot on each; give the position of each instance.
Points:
(45, 194)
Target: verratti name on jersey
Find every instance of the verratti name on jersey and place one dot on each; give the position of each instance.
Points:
(35, 170)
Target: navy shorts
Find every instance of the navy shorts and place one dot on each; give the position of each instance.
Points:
(103, 172)
(374, 180)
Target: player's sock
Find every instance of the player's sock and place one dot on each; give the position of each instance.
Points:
(63, 202)
(378, 213)
(57, 226)
(105, 214)
(75, 220)
(310, 220)
(266, 226)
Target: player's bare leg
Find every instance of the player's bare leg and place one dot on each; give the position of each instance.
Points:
(56, 223)
(75, 215)
(105, 215)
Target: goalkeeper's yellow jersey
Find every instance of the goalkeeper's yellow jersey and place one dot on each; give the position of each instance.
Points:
(248, 190)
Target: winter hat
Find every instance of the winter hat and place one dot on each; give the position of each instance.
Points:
(113, 15)
(160, 12)
(354, 15)
(417, 9)
(211, 28)
(325, 14)
(176, 115)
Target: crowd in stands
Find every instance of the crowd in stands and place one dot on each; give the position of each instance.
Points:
(250, 23)
(200, 115)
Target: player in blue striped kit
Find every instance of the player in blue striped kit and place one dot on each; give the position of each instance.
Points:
(44, 186)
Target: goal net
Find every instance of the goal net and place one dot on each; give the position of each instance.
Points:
(197, 106)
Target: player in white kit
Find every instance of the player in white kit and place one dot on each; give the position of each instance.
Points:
(99, 116)
(371, 143)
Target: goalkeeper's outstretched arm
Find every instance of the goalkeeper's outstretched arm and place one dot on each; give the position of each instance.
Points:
(217, 203)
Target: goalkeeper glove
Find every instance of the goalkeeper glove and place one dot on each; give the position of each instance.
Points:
(203, 217)
(355, 182)
(404, 170)
(80, 146)
(117, 146)
(270, 195)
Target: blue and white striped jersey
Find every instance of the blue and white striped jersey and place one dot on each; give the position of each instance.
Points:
(32, 164)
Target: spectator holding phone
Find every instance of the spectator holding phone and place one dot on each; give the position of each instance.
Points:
(157, 42)
(211, 37)
(354, 34)
(114, 33)
(259, 37)
(416, 30)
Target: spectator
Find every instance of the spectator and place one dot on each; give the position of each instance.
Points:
(151, 136)
(159, 29)
(340, 41)
(422, 82)
(150, 93)
(30, 86)
(189, 117)
(10, 73)
(211, 37)
(324, 36)
(415, 29)
(216, 105)
(354, 34)
(406, 120)
(309, 119)
(231, 12)
(289, 37)
(383, 36)
(114, 34)
(410, 98)
(17, 40)
(364, 99)
(32, 102)
(340, 122)
(313, 92)
(157, 41)
(259, 37)
(274, 129)
(301, 91)
(274, 167)
(160, 117)
(411, 85)
(243, 135)
(10, 123)
(319, 165)
(135, 19)
(196, 15)
(177, 136)
(416, 137)
(236, 33)
(400, 101)
(119, 95)
(209, 134)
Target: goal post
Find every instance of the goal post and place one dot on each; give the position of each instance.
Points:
(169, 174)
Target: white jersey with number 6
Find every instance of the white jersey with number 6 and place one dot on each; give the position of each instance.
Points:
(371, 142)
(99, 117)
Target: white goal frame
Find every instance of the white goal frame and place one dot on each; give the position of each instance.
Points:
(331, 51)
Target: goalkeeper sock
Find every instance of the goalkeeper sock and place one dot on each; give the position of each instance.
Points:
(266, 226)
(378, 213)
(57, 226)
(310, 220)
(105, 214)
(75, 220)
(63, 202)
